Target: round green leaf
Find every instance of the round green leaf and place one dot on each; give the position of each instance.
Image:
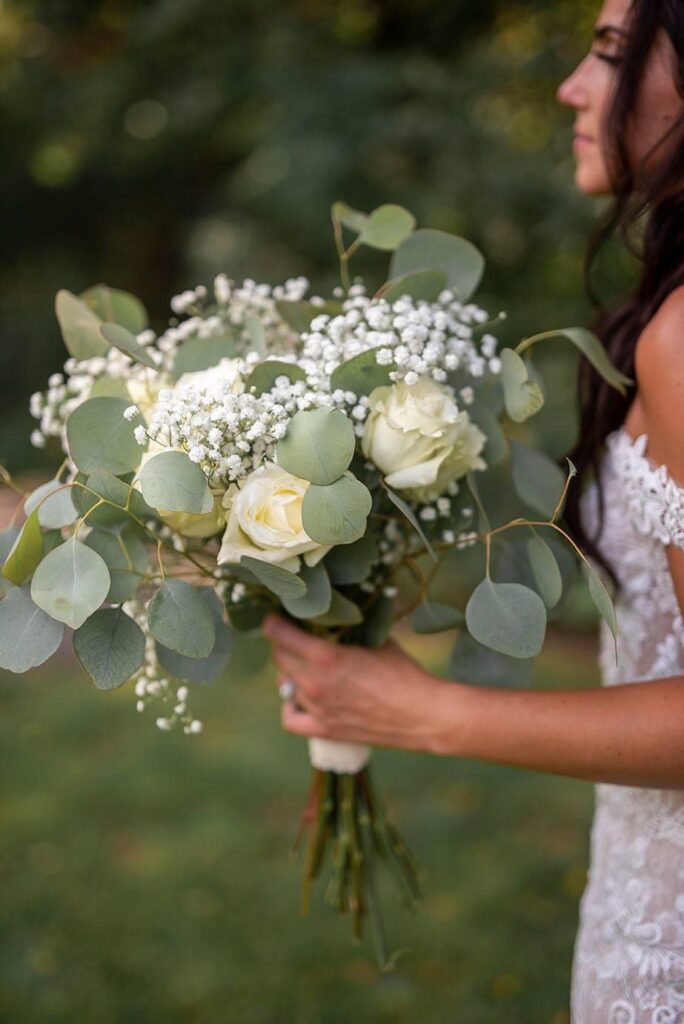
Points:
(507, 617)
(179, 618)
(171, 482)
(71, 583)
(7, 540)
(26, 552)
(472, 663)
(111, 647)
(126, 342)
(116, 306)
(336, 513)
(319, 445)
(201, 670)
(349, 217)
(282, 582)
(362, 374)
(264, 375)
(99, 436)
(197, 354)
(342, 612)
(28, 636)
(421, 284)
(80, 327)
(523, 397)
(54, 504)
(426, 249)
(318, 595)
(387, 227)
(591, 348)
(352, 563)
(546, 571)
(126, 557)
(538, 480)
(602, 600)
(110, 387)
(116, 493)
(297, 315)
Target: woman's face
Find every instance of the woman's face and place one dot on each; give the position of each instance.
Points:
(589, 91)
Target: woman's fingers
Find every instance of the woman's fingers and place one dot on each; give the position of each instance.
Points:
(302, 723)
(294, 640)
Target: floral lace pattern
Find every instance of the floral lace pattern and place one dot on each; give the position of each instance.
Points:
(629, 956)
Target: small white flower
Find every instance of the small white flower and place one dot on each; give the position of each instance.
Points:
(140, 434)
(130, 412)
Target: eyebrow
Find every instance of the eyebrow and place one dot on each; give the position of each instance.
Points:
(601, 32)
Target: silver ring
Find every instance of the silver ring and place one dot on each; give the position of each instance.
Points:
(287, 690)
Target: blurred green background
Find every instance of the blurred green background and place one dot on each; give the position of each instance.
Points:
(150, 146)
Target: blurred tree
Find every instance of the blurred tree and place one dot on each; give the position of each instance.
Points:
(152, 145)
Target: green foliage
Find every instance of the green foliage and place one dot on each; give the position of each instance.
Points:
(7, 540)
(546, 570)
(197, 354)
(342, 612)
(202, 670)
(421, 284)
(28, 636)
(409, 514)
(179, 619)
(116, 306)
(54, 504)
(264, 375)
(592, 349)
(25, 553)
(100, 437)
(318, 596)
(336, 513)
(432, 617)
(387, 227)
(455, 257)
(80, 327)
(121, 338)
(110, 646)
(286, 585)
(117, 495)
(472, 662)
(508, 618)
(171, 482)
(318, 446)
(538, 480)
(71, 583)
(522, 395)
(602, 600)
(126, 557)
(362, 374)
(352, 563)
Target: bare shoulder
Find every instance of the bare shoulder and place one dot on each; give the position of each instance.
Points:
(660, 378)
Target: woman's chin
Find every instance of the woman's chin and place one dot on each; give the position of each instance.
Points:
(592, 181)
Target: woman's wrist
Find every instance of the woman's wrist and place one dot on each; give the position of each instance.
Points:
(453, 713)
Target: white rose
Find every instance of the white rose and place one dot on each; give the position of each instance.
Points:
(265, 520)
(220, 379)
(418, 438)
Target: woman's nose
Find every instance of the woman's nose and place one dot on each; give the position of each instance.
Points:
(571, 92)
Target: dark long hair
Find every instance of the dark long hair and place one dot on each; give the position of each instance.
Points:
(652, 195)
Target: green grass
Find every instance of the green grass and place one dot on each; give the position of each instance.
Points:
(147, 877)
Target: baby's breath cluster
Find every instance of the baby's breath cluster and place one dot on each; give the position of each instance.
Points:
(417, 338)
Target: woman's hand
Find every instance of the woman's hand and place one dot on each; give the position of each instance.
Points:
(380, 697)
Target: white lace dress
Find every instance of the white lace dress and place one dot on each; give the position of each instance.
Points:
(629, 956)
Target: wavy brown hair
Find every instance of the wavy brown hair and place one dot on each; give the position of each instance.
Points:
(652, 195)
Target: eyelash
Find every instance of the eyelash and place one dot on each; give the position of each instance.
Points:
(608, 59)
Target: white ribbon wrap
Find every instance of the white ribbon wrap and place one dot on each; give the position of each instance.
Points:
(341, 758)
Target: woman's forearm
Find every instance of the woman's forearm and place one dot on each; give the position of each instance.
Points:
(630, 735)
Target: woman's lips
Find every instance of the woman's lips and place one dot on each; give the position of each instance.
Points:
(582, 141)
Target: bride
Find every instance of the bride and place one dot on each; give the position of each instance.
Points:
(628, 98)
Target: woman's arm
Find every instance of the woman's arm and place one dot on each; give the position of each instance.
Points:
(630, 735)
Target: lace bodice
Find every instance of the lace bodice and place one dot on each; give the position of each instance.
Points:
(629, 958)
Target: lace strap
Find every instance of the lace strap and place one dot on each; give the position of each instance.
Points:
(655, 503)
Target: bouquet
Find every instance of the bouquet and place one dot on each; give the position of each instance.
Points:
(332, 458)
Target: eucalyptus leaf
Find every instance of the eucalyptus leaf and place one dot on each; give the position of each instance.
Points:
(377, 623)
(80, 327)
(180, 619)
(201, 670)
(361, 374)
(387, 227)
(110, 387)
(116, 494)
(336, 513)
(602, 600)
(126, 557)
(318, 595)
(421, 284)
(197, 354)
(546, 571)
(496, 448)
(54, 504)
(431, 617)
(297, 315)
(280, 581)
(342, 612)
(318, 446)
(116, 306)
(110, 646)
(126, 342)
(264, 375)
(26, 552)
(409, 514)
(473, 663)
(484, 525)
(507, 617)
(256, 334)
(71, 583)
(100, 437)
(427, 249)
(353, 219)
(523, 396)
(538, 480)
(7, 540)
(170, 481)
(28, 636)
(352, 563)
(592, 349)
